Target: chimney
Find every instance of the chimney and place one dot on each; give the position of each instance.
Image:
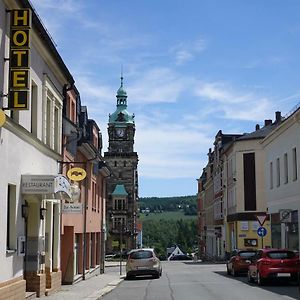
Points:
(278, 116)
(268, 122)
(257, 127)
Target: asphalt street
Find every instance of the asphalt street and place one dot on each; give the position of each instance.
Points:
(191, 281)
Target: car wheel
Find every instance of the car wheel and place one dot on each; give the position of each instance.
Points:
(250, 279)
(260, 281)
(156, 276)
(234, 273)
(294, 277)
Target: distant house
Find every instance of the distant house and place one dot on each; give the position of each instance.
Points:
(176, 251)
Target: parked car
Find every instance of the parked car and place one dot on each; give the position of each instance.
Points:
(143, 262)
(239, 261)
(180, 257)
(273, 263)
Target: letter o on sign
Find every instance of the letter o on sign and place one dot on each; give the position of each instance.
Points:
(20, 38)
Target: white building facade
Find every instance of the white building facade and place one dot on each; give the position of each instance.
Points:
(30, 147)
(282, 148)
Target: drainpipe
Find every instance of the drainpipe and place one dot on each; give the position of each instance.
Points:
(84, 221)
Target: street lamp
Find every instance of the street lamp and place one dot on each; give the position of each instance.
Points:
(121, 244)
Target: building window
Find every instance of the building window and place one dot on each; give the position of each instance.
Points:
(119, 222)
(48, 122)
(120, 204)
(249, 181)
(34, 109)
(295, 172)
(94, 195)
(52, 120)
(271, 175)
(278, 171)
(11, 218)
(285, 166)
(56, 130)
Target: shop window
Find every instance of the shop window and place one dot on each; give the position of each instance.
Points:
(11, 218)
(276, 230)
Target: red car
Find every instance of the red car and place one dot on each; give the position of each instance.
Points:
(239, 261)
(273, 263)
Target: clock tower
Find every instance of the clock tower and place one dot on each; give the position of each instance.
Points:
(122, 186)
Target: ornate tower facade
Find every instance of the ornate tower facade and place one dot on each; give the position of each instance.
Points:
(122, 186)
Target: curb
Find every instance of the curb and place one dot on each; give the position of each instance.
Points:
(111, 286)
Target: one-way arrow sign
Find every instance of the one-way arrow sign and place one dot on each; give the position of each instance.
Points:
(261, 219)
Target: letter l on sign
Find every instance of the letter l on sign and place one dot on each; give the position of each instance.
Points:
(261, 219)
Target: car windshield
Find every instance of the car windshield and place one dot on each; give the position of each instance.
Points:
(141, 255)
(247, 254)
(281, 254)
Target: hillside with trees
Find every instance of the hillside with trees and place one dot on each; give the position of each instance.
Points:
(169, 221)
(188, 204)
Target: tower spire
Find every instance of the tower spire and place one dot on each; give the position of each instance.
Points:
(121, 75)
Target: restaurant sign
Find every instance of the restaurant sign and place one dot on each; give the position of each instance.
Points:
(45, 184)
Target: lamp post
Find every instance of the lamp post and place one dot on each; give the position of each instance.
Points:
(121, 244)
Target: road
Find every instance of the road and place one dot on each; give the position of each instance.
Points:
(191, 281)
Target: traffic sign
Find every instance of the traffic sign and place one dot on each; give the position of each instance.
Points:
(261, 219)
(261, 231)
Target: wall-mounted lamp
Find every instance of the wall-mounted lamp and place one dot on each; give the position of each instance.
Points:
(42, 213)
(25, 210)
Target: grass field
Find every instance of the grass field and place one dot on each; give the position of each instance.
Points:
(168, 215)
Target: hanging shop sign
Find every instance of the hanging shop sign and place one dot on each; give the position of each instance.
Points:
(19, 64)
(76, 174)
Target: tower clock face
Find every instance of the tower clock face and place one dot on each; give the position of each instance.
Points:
(120, 132)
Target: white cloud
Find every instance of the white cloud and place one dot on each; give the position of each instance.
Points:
(61, 6)
(157, 85)
(185, 52)
(169, 150)
(237, 105)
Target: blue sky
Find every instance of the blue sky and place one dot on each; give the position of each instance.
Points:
(191, 68)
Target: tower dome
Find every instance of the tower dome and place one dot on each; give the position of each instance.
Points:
(121, 115)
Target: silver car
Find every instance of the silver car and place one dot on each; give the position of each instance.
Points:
(143, 262)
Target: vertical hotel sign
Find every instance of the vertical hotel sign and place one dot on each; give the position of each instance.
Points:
(19, 67)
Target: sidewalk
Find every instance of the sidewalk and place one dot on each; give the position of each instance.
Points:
(94, 287)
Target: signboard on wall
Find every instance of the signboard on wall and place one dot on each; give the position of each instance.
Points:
(70, 208)
(45, 184)
(19, 64)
